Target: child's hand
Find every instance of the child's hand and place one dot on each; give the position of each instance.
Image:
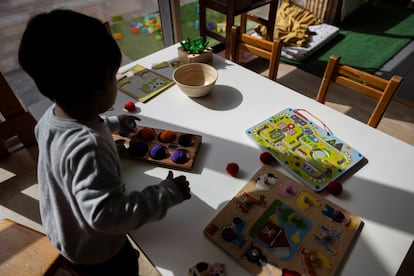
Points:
(127, 123)
(182, 184)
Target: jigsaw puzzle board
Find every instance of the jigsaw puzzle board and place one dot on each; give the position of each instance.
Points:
(304, 148)
(275, 224)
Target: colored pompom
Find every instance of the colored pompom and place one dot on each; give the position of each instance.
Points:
(130, 106)
(179, 156)
(120, 146)
(147, 133)
(266, 158)
(167, 136)
(158, 152)
(232, 169)
(335, 187)
(185, 140)
(138, 149)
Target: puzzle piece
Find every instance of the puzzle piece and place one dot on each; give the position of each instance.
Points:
(246, 201)
(233, 234)
(328, 237)
(314, 260)
(206, 269)
(334, 214)
(306, 200)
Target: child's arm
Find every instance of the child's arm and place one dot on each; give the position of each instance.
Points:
(121, 122)
(106, 208)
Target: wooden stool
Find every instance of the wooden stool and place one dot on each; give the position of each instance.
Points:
(25, 251)
(17, 121)
(232, 9)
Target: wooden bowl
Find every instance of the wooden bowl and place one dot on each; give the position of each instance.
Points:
(195, 79)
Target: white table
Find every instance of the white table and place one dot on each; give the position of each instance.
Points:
(381, 193)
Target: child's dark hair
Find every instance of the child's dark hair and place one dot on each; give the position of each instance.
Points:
(69, 55)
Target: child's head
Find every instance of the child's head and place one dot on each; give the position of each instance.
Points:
(70, 56)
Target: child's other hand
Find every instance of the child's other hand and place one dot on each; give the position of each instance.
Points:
(182, 184)
(127, 123)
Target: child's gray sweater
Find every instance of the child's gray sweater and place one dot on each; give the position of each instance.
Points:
(85, 211)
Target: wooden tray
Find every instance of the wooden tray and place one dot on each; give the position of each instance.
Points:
(191, 147)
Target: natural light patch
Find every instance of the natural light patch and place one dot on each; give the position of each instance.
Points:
(287, 69)
(401, 128)
(5, 174)
(165, 271)
(340, 107)
(388, 251)
(32, 191)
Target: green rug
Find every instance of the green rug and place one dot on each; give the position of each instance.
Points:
(367, 40)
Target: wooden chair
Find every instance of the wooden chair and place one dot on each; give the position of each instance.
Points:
(108, 27)
(257, 46)
(17, 121)
(231, 9)
(371, 85)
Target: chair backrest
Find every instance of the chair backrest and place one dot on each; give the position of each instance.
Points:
(17, 121)
(371, 85)
(270, 50)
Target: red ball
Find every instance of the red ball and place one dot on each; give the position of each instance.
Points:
(232, 169)
(130, 106)
(335, 187)
(266, 158)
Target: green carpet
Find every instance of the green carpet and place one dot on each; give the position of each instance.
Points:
(367, 40)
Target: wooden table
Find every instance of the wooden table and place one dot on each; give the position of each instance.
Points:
(381, 193)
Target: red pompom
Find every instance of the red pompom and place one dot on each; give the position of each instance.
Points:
(266, 158)
(286, 272)
(130, 106)
(232, 169)
(335, 187)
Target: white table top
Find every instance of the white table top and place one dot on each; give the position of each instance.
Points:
(381, 193)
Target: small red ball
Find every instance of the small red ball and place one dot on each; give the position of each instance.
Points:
(130, 106)
(232, 169)
(335, 187)
(266, 158)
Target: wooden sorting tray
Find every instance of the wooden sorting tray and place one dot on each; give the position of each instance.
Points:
(190, 143)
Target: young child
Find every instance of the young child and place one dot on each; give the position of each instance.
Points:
(84, 209)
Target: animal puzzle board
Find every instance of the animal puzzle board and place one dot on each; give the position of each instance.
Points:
(276, 225)
(304, 148)
(142, 83)
(163, 147)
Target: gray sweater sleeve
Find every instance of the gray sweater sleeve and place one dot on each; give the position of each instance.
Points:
(112, 122)
(102, 201)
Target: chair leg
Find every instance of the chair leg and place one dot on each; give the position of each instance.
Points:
(275, 59)
(203, 19)
(326, 79)
(234, 49)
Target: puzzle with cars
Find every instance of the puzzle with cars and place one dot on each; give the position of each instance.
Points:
(277, 226)
(313, 154)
